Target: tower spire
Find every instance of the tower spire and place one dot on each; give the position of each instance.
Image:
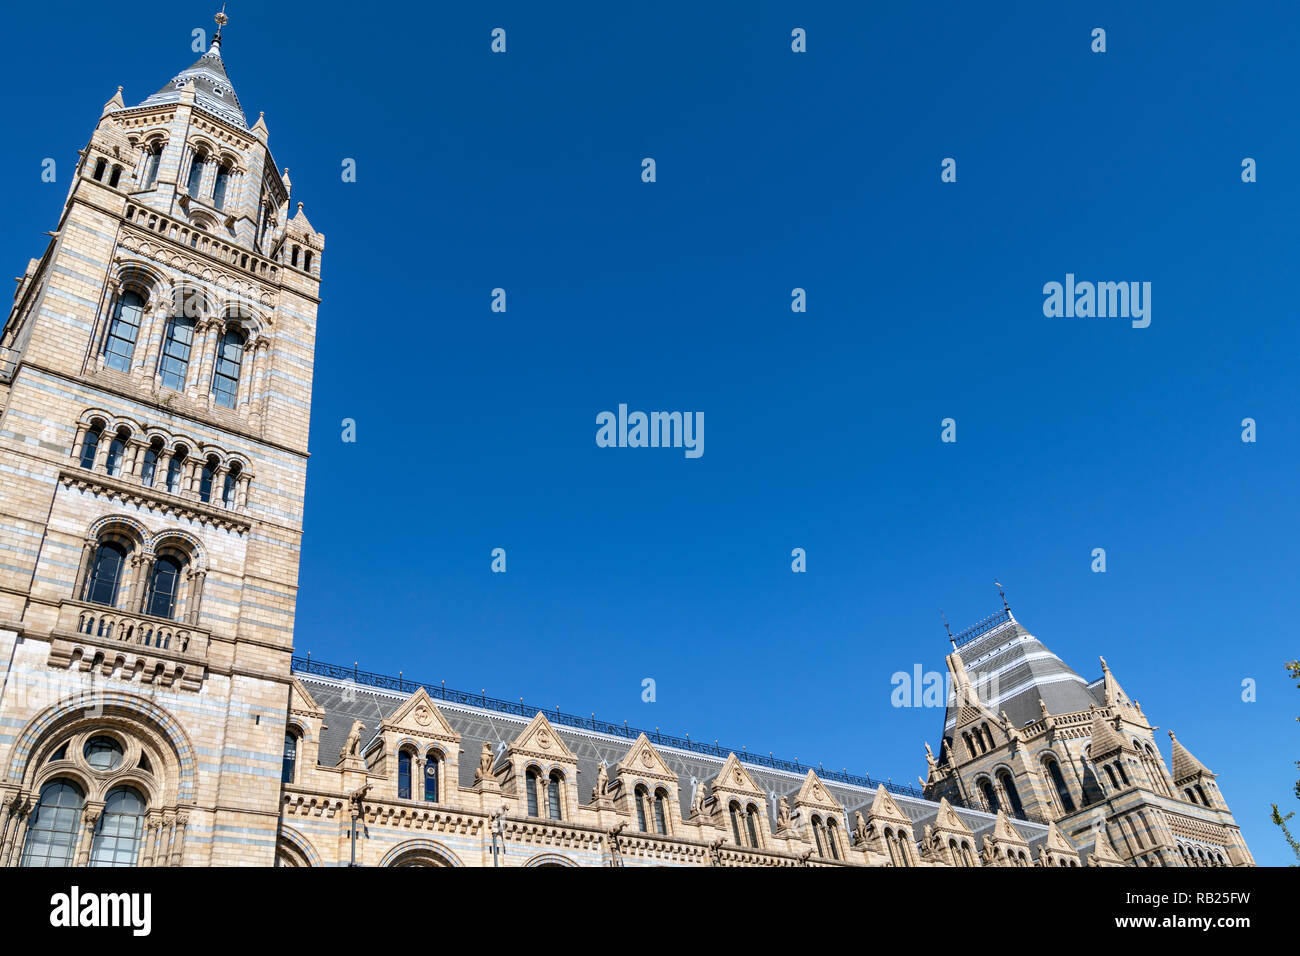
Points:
(221, 20)
(951, 640)
(1002, 594)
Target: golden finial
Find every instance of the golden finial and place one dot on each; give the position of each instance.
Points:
(221, 19)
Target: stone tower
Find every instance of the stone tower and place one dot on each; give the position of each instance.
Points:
(1026, 735)
(155, 390)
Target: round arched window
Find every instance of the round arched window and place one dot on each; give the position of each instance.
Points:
(103, 753)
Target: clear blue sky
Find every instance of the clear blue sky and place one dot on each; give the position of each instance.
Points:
(775, 170)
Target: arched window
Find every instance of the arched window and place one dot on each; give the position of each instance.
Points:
(639, 797)
(89, 446)
(52, 834)
(990, 795)
(100, 167)
(205, 480)
(817, 834)
(553, 795)
(832, 837)
(1058, 781)
(293, 259)
(219, 187)
(196, 174)
(1114, 783)
(229, 485)
(530, 784)
(115, 179)
(734, 811)
(165, 585)
(306, 260)
(891, 846)
(175, 362)
(404, 775)
(174, 469)
(149, 468)
(661, 812)
(123, 331)
(1119, 765)
(1013, 795)
(431, 776)
(151, 162)
(106, 573)
(113, 463)
(289, 765)
(1201, 793)
(225, 378)
(903, 852)
(117, 838)
(751, 821)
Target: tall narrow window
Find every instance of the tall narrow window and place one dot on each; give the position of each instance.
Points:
(52, 834)
(832, 838)
(817, 835)
(219, 187)
(640, 810)
(431, 778)
(553, 795)
(116, 177)
(151, 162)
(288, 766)
(990, 795)
(404, 775)
(1200, 791)
(117, 838)
(123, 330)
(113, 463)
(751, 818)
(229, 485)
(904, 856)
(1013, 795)
(530, 784)
(1058, 781)
(176, 352)
(661, 812)
(205, 480)
(150, 466)
(100, 167)
(89, 446)
(164, 586)
(174, 468)
(106, 574)
(225, 380)
(735, 824)
(196, 174)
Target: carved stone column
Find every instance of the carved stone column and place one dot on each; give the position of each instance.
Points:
(75, 454)
(138, 596)
(178, 837)
(194, 600)
(246, 376)
(89, 821)
(83, 569)
(20, 812)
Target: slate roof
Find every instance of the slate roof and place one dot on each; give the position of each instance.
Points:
(1011, 669)
(344, 701)
(214, 93)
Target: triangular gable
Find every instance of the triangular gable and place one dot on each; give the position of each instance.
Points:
(1103, 851)
(301, 701)
(1057, 841)
(884, 809)
(947, 819)
(813, 793)
(734, 778)
(419, 715)
(539, 739)
(1004, 832)
(642, 760)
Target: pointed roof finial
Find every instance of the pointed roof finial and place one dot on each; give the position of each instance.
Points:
(1002, 594)
(952, 640)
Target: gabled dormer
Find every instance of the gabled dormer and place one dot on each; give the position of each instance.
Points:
(417, 751)
(541, 773)
(821, 818)
(739, 805)
(646, 790)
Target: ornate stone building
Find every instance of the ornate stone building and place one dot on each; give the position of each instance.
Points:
(1025, 734)
(155, 385)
